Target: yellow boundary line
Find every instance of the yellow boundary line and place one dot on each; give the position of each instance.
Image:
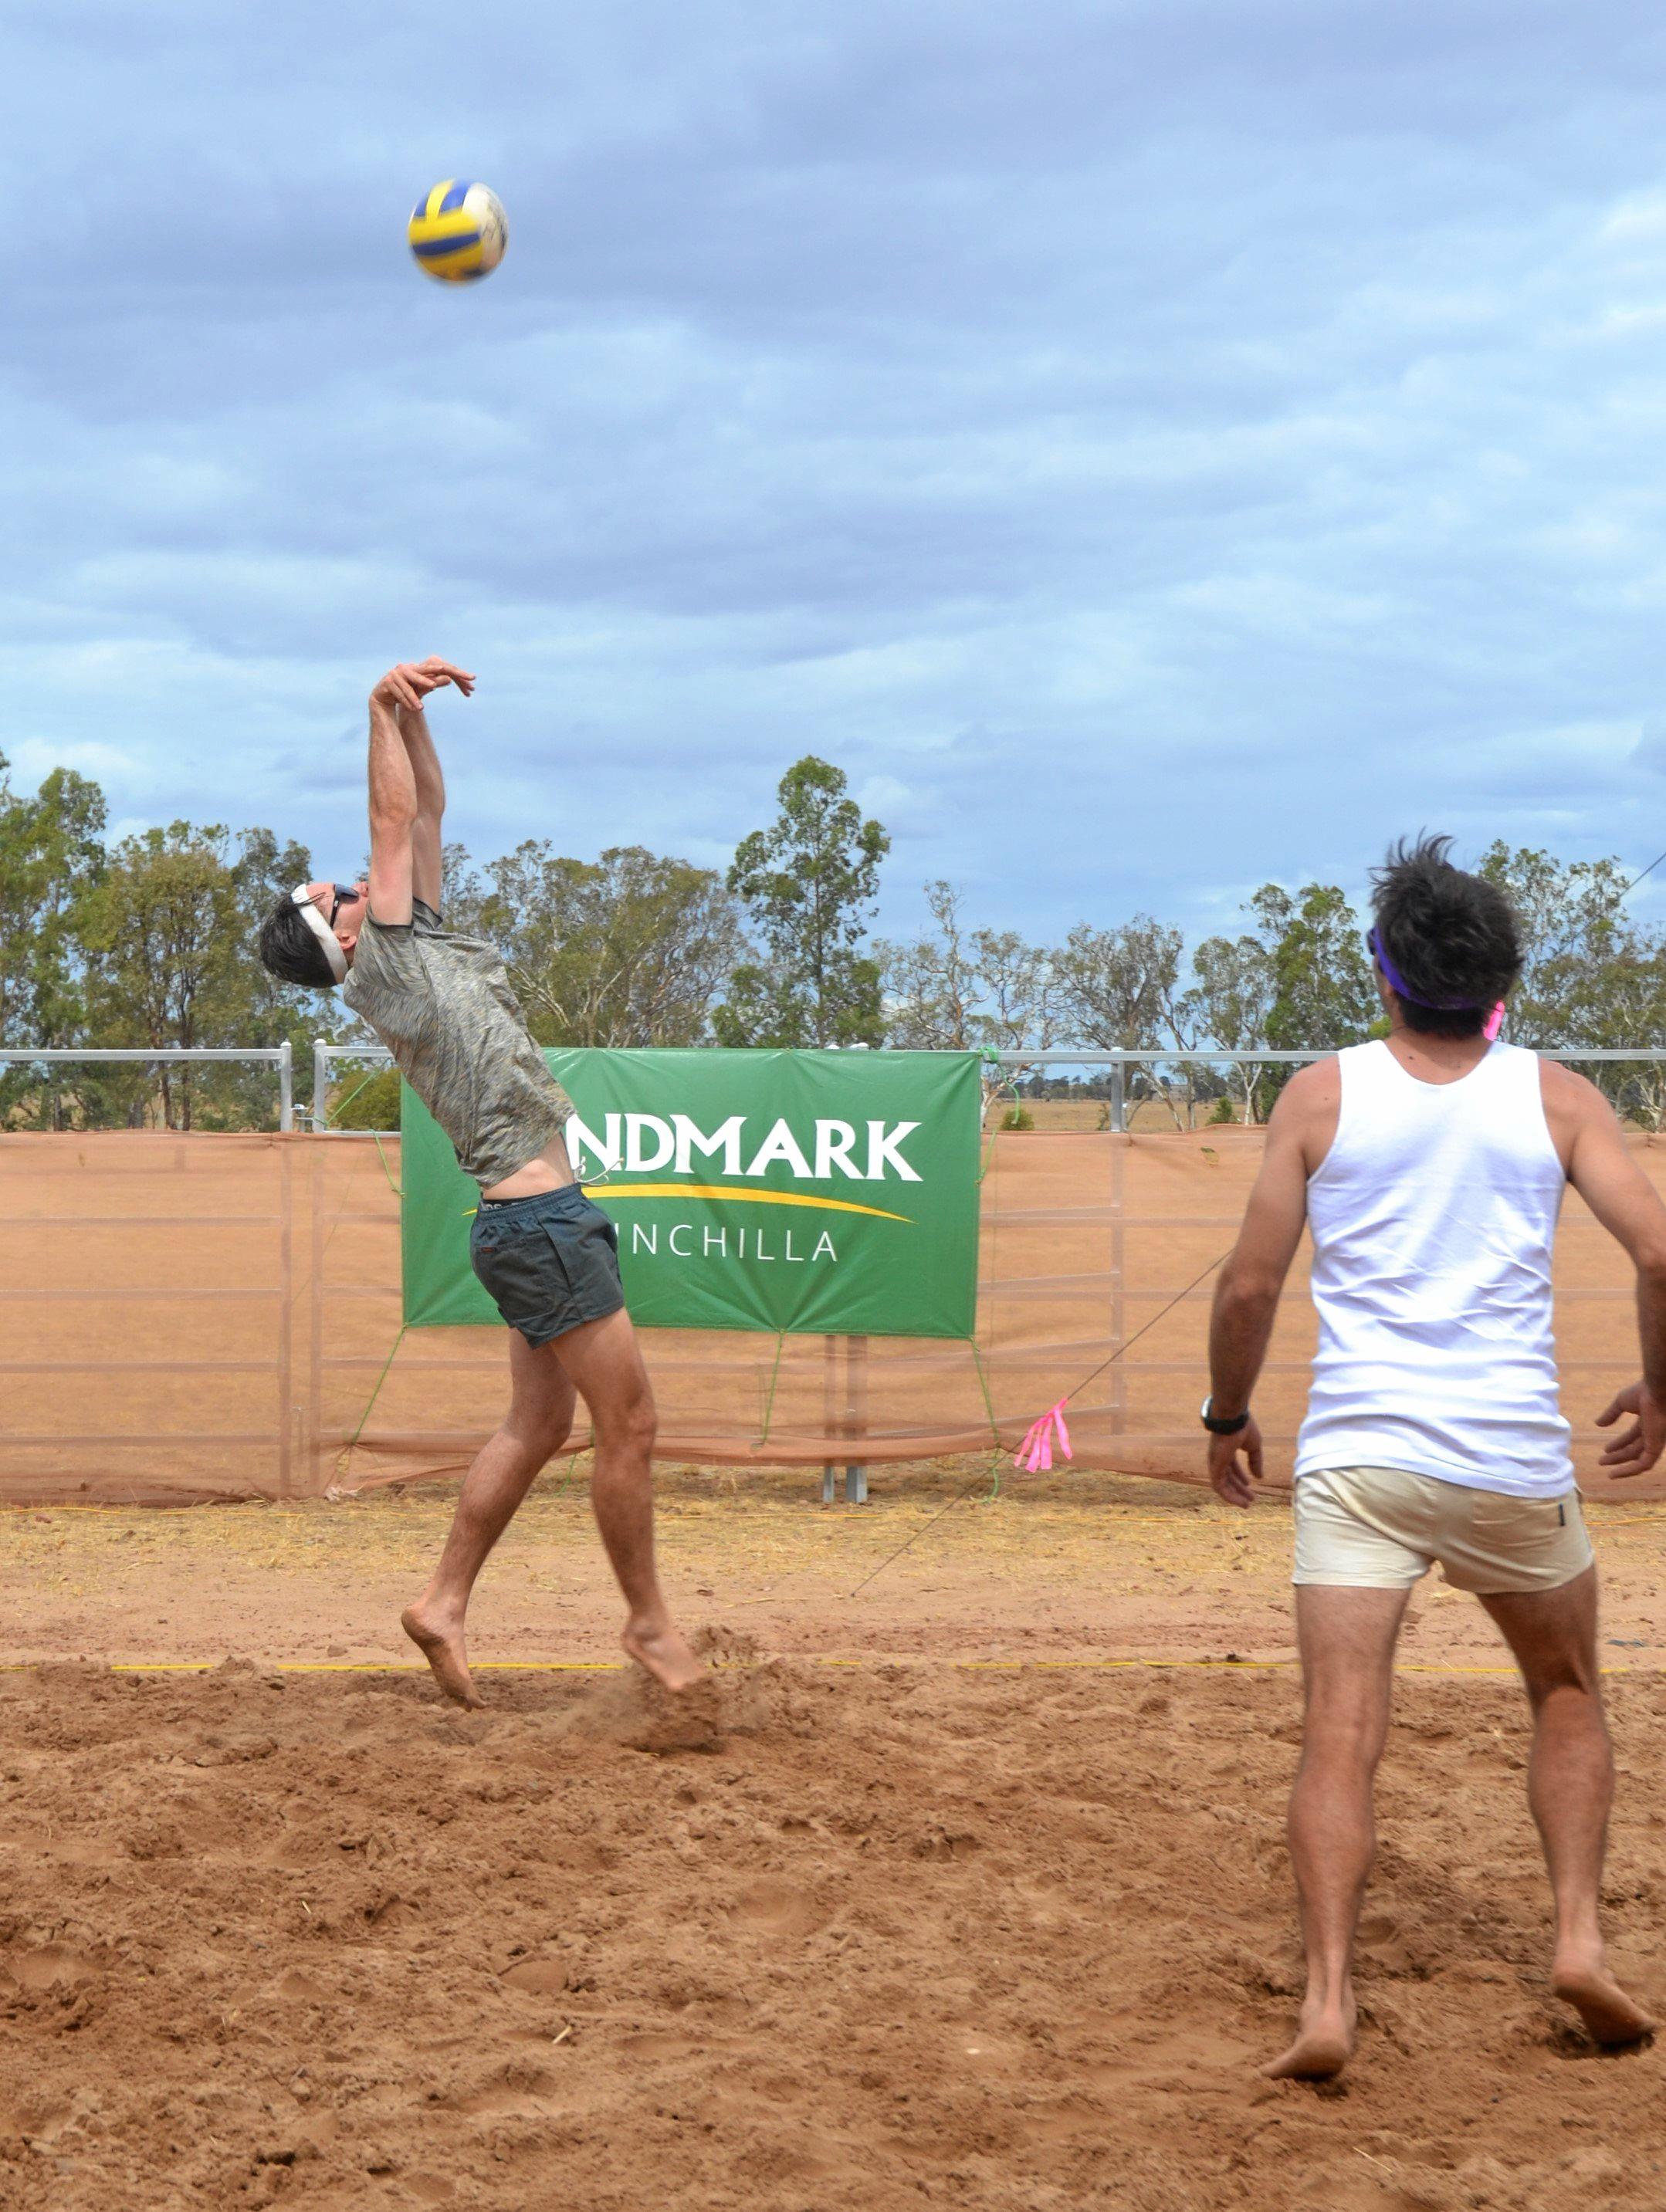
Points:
(1123, 1516)
(802, 1659)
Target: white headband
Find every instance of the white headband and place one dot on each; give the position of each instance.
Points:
(320, 928)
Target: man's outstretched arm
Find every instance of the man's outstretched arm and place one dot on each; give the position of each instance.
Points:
(1604, 1172)
(392, 793)
(1247, 1296)
(407, 791)
(428, 830)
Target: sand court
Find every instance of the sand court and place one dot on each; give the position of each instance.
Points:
(1006, 1925)
(894, 1935)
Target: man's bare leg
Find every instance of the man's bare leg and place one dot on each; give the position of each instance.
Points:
(535, 1427)
(1570, 1787)
(1348, 1638)
(605, 1362)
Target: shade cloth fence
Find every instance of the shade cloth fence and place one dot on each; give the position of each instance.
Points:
(187, 1317)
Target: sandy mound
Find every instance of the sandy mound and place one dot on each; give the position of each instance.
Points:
(862, 1938)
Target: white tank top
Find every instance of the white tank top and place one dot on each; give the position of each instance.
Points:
(1432, 1217)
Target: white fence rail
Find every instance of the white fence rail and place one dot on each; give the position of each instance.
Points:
(1020, 1064)
(1016, 1065)
(280, 1057)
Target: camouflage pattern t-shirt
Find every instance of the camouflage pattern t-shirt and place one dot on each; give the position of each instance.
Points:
(442, 1006)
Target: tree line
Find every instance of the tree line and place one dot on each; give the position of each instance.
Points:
(1296, 977)
(147, 941)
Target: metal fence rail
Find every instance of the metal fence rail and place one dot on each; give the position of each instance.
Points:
(324, 1057)
(280, 1057)
(1119, 1062)
(1018, 1064)
(1022, 1063)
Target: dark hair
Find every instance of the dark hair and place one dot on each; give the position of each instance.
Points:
(290, 950)
(1454, 937)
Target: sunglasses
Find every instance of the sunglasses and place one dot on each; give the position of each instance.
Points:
(345, 895)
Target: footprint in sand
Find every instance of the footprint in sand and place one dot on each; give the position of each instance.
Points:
(298, 1988)
(746, 1695)
(540, 1978)
(775, 1908)
(46, 1966)
(631, 1710)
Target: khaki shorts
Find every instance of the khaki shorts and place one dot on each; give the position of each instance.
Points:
(1378, 1528)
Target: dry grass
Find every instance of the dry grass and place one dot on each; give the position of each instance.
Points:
(1069, 1562)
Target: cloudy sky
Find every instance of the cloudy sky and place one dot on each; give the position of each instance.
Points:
(1152, 445)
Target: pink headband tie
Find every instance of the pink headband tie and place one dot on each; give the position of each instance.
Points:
(1397, 983)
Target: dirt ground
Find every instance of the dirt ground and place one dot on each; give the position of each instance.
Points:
(965, 1887)
(1064, 1566)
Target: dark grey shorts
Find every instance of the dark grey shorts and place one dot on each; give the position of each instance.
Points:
(549, 1263)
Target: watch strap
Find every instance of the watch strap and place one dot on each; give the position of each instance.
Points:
(1217, 1427)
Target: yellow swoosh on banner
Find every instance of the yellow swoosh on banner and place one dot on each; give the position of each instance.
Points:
(749, 1197)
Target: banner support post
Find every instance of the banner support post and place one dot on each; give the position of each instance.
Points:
(855, 1474)
(830, 1411)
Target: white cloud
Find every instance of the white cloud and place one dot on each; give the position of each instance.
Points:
(1112, 433)
(33, 759)
(884, 795)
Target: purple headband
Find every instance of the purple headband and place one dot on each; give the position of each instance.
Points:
(1396, 982)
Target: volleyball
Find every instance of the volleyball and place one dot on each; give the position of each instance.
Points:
(457, 231)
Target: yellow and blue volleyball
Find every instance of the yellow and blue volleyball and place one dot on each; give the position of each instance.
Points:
(457, 231)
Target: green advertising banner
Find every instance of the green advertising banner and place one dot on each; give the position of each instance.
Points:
(829, 1192)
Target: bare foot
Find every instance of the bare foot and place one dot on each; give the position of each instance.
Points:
(1323, 2046)
(1610, 2017)
(441, 1643)
(658, 1648)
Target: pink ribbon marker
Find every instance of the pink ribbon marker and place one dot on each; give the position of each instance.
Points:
(1035, 1454)
(1493, 1022)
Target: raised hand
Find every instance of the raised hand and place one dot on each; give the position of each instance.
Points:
(404, 687)
(447, 671)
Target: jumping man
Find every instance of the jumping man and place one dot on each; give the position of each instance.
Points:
(441, 1004)
(1430, 1168)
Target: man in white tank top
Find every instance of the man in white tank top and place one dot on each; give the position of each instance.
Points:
(1430, 1168)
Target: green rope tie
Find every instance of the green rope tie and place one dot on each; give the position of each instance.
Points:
(561, 1486)
(346, 1452)
(769, 1394)
(342, 1104)
(387, 1170)
(989, 1411)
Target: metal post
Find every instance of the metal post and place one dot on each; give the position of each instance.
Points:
(855, 1474)
(321, 1085)
(285, 1314)
(318, 1155)
(1117, 1376)
(1119, 1113)
(830, 1411)
(286, 1086)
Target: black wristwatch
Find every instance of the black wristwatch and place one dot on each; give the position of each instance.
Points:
(1239, 1421)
